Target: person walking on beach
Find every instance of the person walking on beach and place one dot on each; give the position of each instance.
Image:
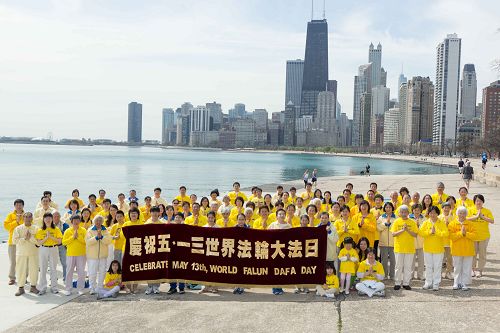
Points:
(468, 171)
(314, 177)
(484, 160)
(461, 166)
(367, 169)
(305, 177)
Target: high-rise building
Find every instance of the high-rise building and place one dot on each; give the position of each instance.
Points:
(183, 130)
(468, 92)
(338, 109)
(402, 79)
(362, 84)
(375, 58)
(200, 120)
(391, 127)
(446, 91)
(167, 126)
(490, 118)
(186, 108)
(245, 132)
(315, 74)
(294, 73)
(325, 117)
(419, 110)
(402, 98)
(134, 122)
(379, 105)
(215, 114)
(365, 120)
(289, 125)
(260, 116)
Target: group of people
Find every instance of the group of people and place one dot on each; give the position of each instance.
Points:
(370, 238)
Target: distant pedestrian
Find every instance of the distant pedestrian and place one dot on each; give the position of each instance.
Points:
(367, 169)
(314, 177)
(305, 177)
(461, 166)
(484, 160)
(467, 174)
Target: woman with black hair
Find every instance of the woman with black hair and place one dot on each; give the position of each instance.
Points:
(112, 281)
(48, 238)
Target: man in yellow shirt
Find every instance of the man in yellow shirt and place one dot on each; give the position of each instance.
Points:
(93, 206)
(371, 273)
(145, 210)
(236, 193)
(196, 218)
(263, 221)
(102, 196)
(307, 195)
(182, 195)
(439, 197)
(27, 253)
(404, 230)
(74, 240)
(12, 221)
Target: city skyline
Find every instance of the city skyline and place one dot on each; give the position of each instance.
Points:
(81, 64)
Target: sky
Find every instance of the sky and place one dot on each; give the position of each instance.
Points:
(70, 67)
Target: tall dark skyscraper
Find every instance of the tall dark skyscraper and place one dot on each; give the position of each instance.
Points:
(134, 122)
(315, 75)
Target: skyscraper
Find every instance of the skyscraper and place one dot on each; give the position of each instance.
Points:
(402, 98)
(325, 117)
(468, 92)
(391, 127)
(215, 114)
(134, 122)
(167, 126)
(365, 120)
(446, 91)
(315, 74)
(419, 110)
(294, 73)
(491, 109)
(362, 84)
(375, 58)
(379, 105)
(289, 125)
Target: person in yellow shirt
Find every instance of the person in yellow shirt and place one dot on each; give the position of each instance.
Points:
(112, 281)
(462, 236)
(225, 221)
(236, 193)
(331, 286)
(348, 257)
(183, 196)
(10, 223)
(204, 206)
(291, 219)
(48, 238)
(386, 241)
(426, 204)
(74, 209)
(75, 195)
(26, 253)
(481, 218)
(186, 209)
(406, 201)
(434, 231)
(106, 205)
(394, 199)
(263, 221)
(404, 230)
(464, 200)
(74, 240)
(415, 199)
(278, 195)
(418, 260)
(447, 216)
(86, 221)
(117, 236)
(93, 206)
(308, 194)
(214, 207)
(238, 209)
(366, 222)
(102, 196)
(350, 187)
(148, 203)
(293, 195)
(257, 199)
(402, 192)
(439, 197)
(249, 217)
(196, 219)
(370, 197)
(39, 212)
(371, 273)
(312, 212)
(345, 227)
(214, 194)
(358, 200)
(335, 211)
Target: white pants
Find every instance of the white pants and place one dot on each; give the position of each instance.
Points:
(77, 262)
(403, 272)
(97, 270)
(462, 270)
(111, 254)
(106, 292)
(433, 265)
(370, 287)
(48, 257)
(27, 265)
(323, 292)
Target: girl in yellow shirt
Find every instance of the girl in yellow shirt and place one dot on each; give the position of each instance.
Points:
(331, 286)
(86, 218)
(112, 281)
(348, 258)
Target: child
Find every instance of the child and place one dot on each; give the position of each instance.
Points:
(348, 258)
(331, 286)
(112, 281)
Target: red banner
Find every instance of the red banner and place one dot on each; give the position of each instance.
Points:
(224, 256)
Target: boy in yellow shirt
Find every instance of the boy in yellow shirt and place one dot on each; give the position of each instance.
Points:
(404, 230)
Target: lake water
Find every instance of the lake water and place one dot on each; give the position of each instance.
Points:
(27, 170)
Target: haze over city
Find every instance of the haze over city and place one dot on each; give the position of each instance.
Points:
(71, 67)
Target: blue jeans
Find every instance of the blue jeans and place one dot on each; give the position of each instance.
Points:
(277, 290)
(173, 285)
(62, 258)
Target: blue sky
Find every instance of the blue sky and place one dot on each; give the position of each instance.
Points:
(71, 67)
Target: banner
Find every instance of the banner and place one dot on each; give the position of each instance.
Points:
(224, 256)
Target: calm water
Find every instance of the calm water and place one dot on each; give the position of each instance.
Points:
(27, 170)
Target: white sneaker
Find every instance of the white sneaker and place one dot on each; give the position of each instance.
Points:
(149, 290)
(156, 290)
(456, 287)
(330, 296)
(66, 292)
(347, 291)
(380, 293)
(426, 287)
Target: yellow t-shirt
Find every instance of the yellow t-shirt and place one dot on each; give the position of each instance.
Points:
(482, 227)
(348, 266)
(117, 278)
(434, 243)
(364, 267)
(468, 203)
(368, 229)
(202, 220)
(436, 198)
(352, 230)
(54, 232)
(75, 247)
(11, 223)
(257, 224)
(332, 281)
(232, 196)
(307, 196)
(185, 198)
(462, 246)
(230, 223)
(80, 202)
(404, 243)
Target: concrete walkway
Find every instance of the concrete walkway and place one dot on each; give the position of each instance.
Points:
(259, 311)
